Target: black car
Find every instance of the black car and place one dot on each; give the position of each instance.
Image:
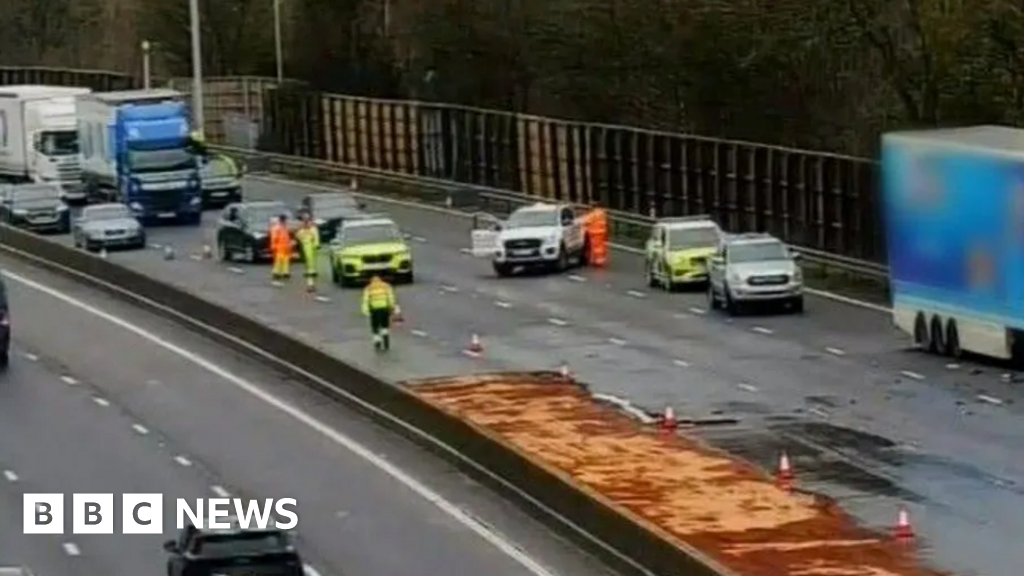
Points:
(35, 207)
(233, 551)
(5, 327)
(244, 230)
(330, 209)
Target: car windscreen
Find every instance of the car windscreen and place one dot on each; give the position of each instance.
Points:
(218, 168)
(758, 252)
(371, 234)
(532, 218)
(333, 203)
(35, 195)
(241, 544)
(105, 213)
(683, 238)
(262, 215)
(58, 143)
(160, 160)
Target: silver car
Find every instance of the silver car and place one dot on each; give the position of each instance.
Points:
(104, 226)
(754, 268)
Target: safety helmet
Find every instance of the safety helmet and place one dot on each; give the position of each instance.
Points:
(197, 136)
(376, 278)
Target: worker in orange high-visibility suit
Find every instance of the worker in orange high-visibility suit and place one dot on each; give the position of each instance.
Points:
(280, 249)
(597, 237)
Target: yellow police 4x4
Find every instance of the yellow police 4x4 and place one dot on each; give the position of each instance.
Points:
(370, 247)
(678, 251)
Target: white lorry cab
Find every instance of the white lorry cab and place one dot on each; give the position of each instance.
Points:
(541, 235)
(39, 136)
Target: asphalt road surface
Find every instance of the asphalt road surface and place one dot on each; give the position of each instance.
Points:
(864, 419)
(102, 397)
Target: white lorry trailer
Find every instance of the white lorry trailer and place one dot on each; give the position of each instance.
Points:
(39, 136)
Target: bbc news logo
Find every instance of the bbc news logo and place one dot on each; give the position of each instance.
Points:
(144, 513)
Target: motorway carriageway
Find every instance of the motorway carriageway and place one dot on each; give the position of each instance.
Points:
(101, 397)
(864, 420)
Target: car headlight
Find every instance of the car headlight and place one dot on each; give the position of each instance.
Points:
(735, 278)
(195, 201)
(62, 208)
(798, 276)
(259, 235)
(552, 239)
(135, 206)
(20, 212)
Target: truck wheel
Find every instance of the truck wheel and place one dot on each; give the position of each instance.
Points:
(953, 349)
(921, 339)
(502, 269)
(936, 344)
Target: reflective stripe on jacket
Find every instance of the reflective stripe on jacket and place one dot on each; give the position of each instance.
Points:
(378, 295)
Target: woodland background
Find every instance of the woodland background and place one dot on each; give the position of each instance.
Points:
(819, 74)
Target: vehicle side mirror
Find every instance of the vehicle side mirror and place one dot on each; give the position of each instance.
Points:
(171, 546)
(798, 256)
(718, 261)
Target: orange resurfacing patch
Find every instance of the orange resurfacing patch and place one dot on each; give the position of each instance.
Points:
(687, 492)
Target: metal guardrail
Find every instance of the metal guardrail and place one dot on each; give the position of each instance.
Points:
(626, 229)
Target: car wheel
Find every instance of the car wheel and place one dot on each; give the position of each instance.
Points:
(408, 278)
(249, 254)
(335, 275)
(223, 254)
(76, 240)
(502, 269)
(712, 298)
(563, 259)
(731, 306)
(652, 281)
(798, 305)
(5, 359)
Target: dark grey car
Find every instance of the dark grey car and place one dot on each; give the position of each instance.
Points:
(35, 207)
(330, 210)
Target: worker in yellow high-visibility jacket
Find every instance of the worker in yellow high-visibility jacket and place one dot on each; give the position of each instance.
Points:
(308, 236)
(379, 304)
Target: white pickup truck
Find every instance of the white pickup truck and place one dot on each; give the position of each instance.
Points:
(548, 236)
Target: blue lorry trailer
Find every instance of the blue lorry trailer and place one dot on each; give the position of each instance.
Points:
(954, 213)
(136, 149)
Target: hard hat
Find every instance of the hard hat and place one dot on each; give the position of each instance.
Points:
(376, 278)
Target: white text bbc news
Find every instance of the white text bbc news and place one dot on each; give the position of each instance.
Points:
(144, 513)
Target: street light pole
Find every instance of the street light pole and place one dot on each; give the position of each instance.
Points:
(198, 117)
(147, 80)
(278, 50)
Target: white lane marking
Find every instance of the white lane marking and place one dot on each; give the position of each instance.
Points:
(681, 363)
(182, 460)
(747, 387)
(952, 366)
(628, 249)
(697, 311)
(912, 375)
(310, 571)
(502, 304)
(617, 341)
(155, 246)
(236, 270)
(449, 288)
(220, 491)
(140, 429)
(763, 330)
(835, 351)
(322, 299)
(471, 353)
(576, 278)
(990, 399)
(636, 294)
(557, 322)
(465, 251)
(101, 401)
(195, 257)
(485, 532)
(418, 333)
(71, 549)
(818, 411)
(30, 356)
(69, 380)
(419, 239)
(10, 475)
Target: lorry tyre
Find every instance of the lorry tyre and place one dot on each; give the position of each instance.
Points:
(953, 349)
(921, 338)
(936, 342)
(503, 269)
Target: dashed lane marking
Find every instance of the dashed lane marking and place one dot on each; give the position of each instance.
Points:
(399, 475)
(817, 411)
(236, 270)
(698, 311)
(503, 304)
(310, 571)
(419, 239)
(617, 341)
(465, 251)
(101, 401)
(557, 322)
(747, 387)
(418, 333)
(10, 475)
(322, 299)
(220, 491)
(576, 278)
(763, 330)
(140, 429)
(69, 380)
(835, 351)
(71, 549)
(912, 375)
(30, 356)
(636, 294)
(990, 399)
(449, 289)
(196, 257)
(182, 460)
(952, 366)
(681, 363)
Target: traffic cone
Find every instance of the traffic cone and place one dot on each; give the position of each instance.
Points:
(353, 185)
(563, 371)
(397, 317)
(784, 475)
(207, 252)
(475, 346)
(668, 419)
(103, 253)
(903, 529)
(168, 253)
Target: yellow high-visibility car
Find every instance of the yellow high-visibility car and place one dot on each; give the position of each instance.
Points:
(370, 247)
(678, 251)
